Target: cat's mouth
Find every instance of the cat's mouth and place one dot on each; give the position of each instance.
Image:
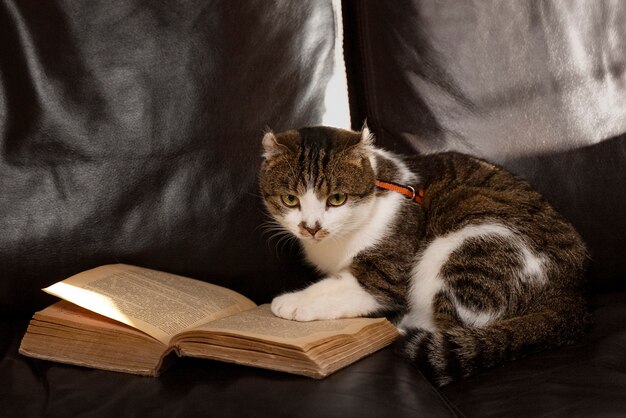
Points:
(313, 234)
(313, 238)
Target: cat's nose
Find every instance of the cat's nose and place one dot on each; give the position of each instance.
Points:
(313, 230)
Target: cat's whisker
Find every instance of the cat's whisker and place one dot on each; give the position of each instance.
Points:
(271, 225)
(277, 231)
(270, 229)
(280, 234)
(253, 194)
(287, 239)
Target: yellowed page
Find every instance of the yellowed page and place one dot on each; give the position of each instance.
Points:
(67, 333)
(317, 363)
(64, 312)
(157, 303)
(261, 324)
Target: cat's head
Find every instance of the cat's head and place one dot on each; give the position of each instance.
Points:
(318, 183)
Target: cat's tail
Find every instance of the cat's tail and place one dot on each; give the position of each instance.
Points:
(459, 352)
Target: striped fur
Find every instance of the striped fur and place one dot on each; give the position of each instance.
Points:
(484, 272)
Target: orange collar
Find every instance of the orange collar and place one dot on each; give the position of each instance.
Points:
(407, 191)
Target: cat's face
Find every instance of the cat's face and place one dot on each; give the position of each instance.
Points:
(318, 183)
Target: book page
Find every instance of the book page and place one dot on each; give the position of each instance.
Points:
(64, 312)
(157, 303)
(261, 324)
(67, 333)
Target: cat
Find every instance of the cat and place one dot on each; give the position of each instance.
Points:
(474, 266)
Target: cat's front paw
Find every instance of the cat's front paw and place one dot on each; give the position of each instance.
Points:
(330, 298)
(297, 306)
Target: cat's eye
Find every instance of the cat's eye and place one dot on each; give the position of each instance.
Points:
(337, 199)
(290, 200)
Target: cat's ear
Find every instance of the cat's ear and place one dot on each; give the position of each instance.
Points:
(367, 137)
(271, 147)
(361, 150)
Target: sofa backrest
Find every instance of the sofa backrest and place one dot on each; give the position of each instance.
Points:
(539, 87)
(131, 132)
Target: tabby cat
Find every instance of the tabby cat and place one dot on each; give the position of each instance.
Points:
(475, 267)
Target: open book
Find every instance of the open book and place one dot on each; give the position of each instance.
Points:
(131, 319)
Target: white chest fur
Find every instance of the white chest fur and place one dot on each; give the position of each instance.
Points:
(370, 225)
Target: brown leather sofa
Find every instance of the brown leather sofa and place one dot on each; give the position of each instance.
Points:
(130, 132)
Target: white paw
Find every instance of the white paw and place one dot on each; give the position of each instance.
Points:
(330, 298)
(299, 306)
